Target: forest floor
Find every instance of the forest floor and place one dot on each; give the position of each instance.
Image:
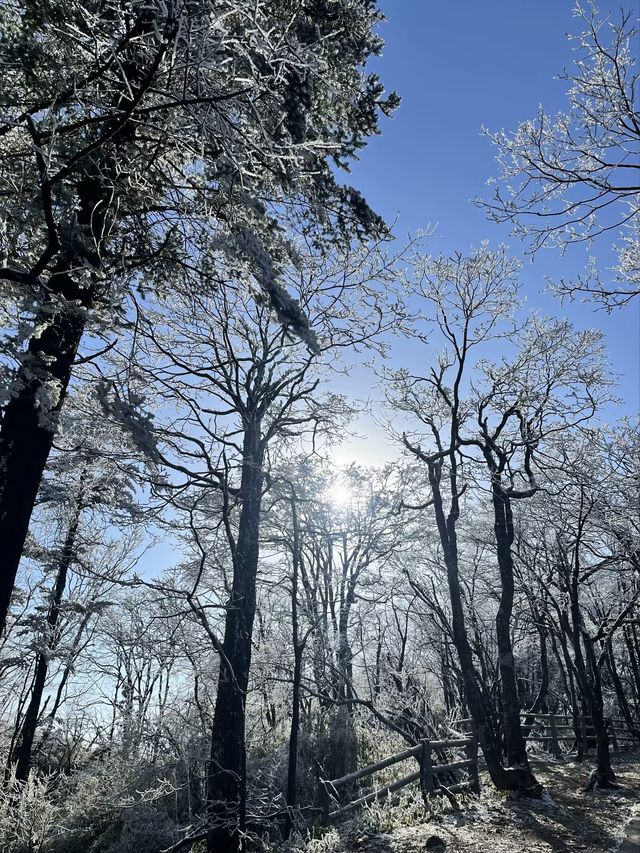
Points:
(565, 819)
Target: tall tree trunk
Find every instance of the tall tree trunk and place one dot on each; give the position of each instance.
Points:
(604, 771)
(447, 676)
(23, 750)
(342, 754)
(515, 744)
(588, 681)
(226, 782)
(292, 766)
(298, 652)
(23, 697)
(501, 778)
(541, 696)
(26, 433)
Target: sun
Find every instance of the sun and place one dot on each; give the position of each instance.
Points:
(340, 495)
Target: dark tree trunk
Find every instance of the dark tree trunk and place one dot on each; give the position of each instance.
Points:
(23, 750)
(446, 673)
(589, 683)
(298, 652)
(604, 771)
(26, 433)
(513, 779)
(541, 697)
(226, 789)
(292, 767)
(22, 700)
(515, 744)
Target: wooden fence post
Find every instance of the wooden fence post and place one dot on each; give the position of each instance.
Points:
(426, 770)
(583, 734)
(555, 746)
(471, 751)
(614, 736)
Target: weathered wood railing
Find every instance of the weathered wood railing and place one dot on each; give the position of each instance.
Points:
(426, 775)
(560, 728)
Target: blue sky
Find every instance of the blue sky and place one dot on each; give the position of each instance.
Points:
(459, 66)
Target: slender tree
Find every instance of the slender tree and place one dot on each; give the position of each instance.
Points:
(471, 299)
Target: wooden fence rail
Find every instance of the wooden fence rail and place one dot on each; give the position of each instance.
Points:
(555, 727)
(426, 775)
(615, 725)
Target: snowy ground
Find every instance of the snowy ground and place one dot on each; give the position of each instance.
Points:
(565, 819)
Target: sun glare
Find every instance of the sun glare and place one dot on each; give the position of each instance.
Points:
(340, 495)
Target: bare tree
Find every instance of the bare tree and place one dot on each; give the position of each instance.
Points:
(553, 383)
(575, 176)
(589, 582)
(471, 298)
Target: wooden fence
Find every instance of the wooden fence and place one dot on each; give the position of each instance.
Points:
(427, 775)
(551, 729)
(556, 729)
(561, 728)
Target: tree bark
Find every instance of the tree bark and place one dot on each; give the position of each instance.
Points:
(26, 433)
(226, 783)
(604, 771)
(516, 745)
(292, 766)
(298, 652)
(588, 681)
(541, 696)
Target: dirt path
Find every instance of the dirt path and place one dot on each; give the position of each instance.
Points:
(566, 819)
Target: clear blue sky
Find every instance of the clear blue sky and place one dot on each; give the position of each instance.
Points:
(459, 66)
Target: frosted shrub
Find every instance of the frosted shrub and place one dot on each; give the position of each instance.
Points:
(28, 817)
(144, 828)
(330, 840)
(116, 807)
(376, 743)
(388, 814)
